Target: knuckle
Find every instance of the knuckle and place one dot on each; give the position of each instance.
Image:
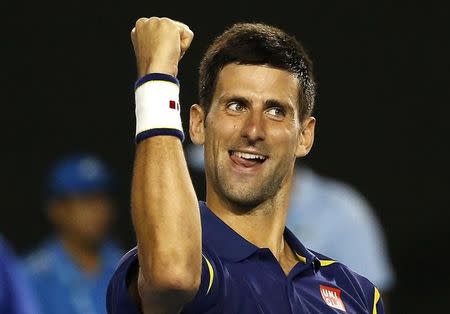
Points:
(141, 21)
(153, 21)
(166, 20)
(166, 24)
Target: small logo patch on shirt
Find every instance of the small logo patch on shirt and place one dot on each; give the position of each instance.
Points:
(332, 297)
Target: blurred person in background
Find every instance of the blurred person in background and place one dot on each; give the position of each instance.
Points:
(16, 296)
(70, 271)
(332, 217)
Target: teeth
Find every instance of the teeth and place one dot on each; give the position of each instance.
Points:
(248, 156)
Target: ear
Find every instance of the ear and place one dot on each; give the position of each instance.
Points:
(197, 124)
(306, 138)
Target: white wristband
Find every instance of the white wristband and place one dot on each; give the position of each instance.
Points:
(157, 109)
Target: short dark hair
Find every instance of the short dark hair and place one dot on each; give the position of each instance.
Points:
(258, 44)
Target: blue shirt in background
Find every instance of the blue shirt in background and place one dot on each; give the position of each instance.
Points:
(16, 296)
(332, 217)
(62, 287)
(238, 277)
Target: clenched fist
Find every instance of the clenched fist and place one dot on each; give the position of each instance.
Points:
(159, 44)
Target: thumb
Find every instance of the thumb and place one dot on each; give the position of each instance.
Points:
(186, 36)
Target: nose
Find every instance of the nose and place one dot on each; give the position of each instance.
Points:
(254, 129)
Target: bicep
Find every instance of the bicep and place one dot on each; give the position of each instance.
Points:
(132, 287)
(210, 287)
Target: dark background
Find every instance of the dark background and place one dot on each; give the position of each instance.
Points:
(382, 109)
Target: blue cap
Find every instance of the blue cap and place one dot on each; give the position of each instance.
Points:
(78, 174)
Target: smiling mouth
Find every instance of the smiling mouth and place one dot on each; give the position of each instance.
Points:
(245, 159)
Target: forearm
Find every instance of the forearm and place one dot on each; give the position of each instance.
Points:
(165, 212)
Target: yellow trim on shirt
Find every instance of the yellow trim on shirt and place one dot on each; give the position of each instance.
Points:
(375, 300)
(301, 258)
(326, 262)
(211, 274)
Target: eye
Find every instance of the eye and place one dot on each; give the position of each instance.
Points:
(235, 106)
(276, 112)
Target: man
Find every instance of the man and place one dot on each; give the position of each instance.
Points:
(233, 253)
(16, 296)
(70, 270)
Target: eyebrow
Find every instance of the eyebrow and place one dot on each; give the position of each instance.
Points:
(228, 97)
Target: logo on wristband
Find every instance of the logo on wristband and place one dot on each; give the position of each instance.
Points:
(174, 105)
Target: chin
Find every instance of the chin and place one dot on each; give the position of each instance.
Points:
(245, 201)
(93, 242)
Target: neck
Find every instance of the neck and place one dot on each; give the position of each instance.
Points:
(262, 225)
(87, 257)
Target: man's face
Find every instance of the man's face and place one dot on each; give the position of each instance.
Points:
(252, 133)
(84, 218)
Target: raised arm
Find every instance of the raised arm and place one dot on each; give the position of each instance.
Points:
(164, 205)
